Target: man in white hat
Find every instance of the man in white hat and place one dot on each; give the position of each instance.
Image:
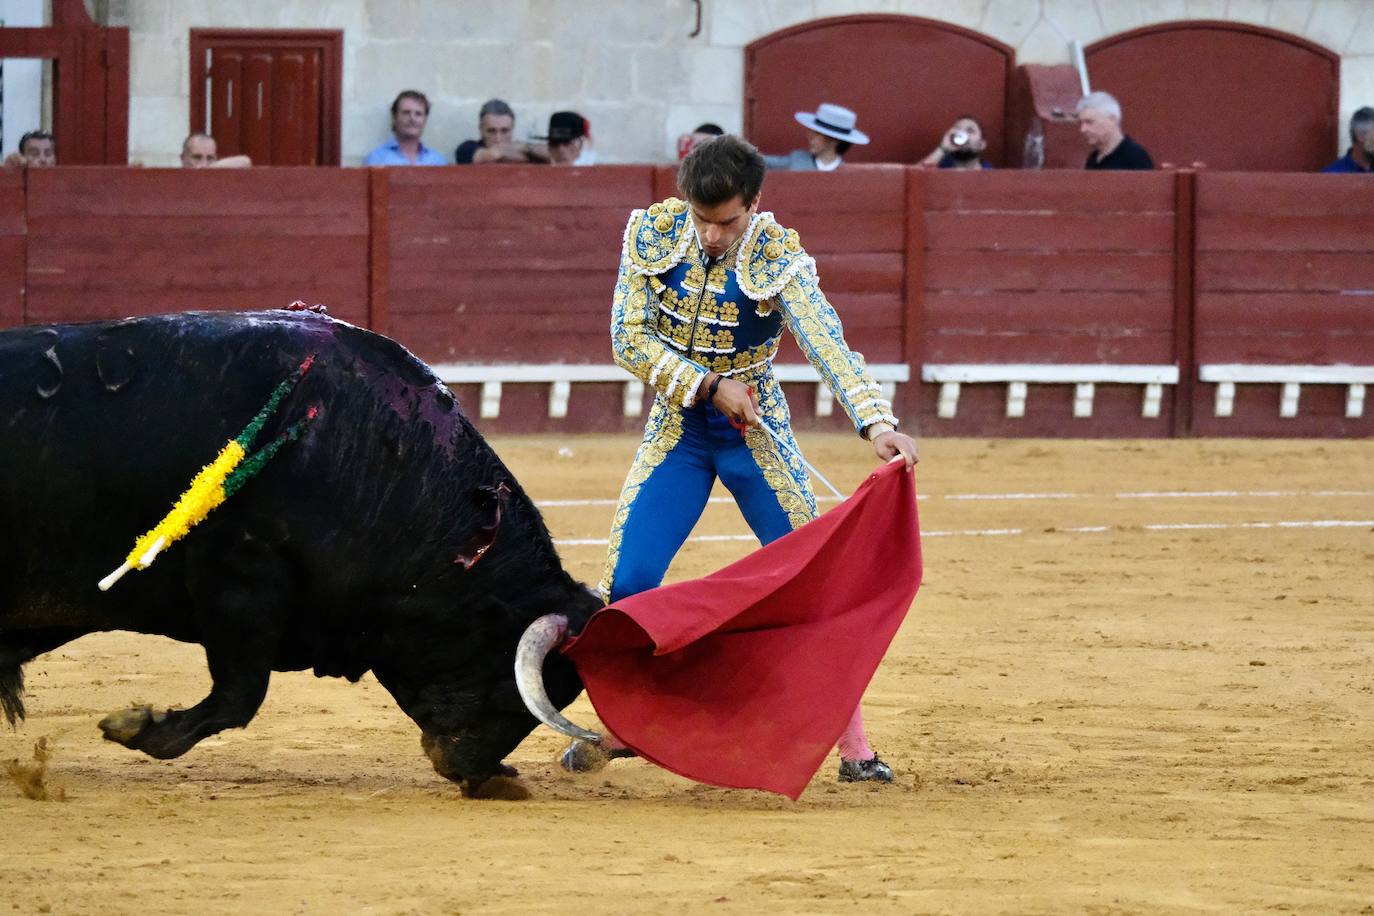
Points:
(831, 132)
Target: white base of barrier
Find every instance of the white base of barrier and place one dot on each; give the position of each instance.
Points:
(1016, 376)
(1227, 375)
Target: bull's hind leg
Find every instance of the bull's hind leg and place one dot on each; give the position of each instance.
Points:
(240, 627)
(17, 648)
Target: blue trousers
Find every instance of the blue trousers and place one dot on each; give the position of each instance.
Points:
(683, 452)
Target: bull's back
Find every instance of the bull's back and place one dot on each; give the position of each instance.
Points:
(105, 424)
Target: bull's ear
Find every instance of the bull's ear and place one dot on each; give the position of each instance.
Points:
(489, 501)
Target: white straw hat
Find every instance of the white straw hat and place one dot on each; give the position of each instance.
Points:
(833, 121)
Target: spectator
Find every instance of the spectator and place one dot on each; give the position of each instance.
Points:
(961, 147)
(1099, 121)
(569, 139)
(831, 134)
(1360, 156)
(496, 124)
(409, 114)
(688, 142)
(36, 149)
(199, 151)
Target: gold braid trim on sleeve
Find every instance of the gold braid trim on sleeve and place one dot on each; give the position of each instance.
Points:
(816, 326)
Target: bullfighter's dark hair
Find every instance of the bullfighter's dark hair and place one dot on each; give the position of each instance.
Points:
(718, 170)
(415, 94)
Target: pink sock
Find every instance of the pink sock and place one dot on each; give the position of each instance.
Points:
(853, 743)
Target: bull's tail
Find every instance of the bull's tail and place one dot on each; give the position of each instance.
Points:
(12, 690)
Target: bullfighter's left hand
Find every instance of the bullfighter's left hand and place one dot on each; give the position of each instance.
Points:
(889, 445)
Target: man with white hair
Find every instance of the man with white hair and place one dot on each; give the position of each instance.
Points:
(1359, 159)
(1099, 121)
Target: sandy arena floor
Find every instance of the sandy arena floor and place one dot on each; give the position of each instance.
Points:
(1093, 707)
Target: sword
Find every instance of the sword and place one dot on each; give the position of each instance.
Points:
(796, 453)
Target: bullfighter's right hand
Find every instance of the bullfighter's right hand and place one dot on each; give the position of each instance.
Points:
(736, 401)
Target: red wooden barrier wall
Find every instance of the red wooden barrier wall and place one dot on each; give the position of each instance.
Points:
(109, 242)
(1285, 275)
(854, 225)
(12, 244)
(1068, 268)
(924, 267)
(518, 270)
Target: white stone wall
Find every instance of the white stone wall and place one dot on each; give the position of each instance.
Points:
(627, 65)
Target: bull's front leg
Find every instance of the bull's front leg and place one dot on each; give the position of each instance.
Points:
(238, 610)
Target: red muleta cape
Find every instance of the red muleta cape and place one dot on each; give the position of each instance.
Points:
(746, 678)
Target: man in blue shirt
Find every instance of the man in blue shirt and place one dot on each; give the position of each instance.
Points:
(1360, 157)
(409, 113)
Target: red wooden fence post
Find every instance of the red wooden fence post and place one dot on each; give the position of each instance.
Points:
(378, 248)
(913, 289)
(1185, 297)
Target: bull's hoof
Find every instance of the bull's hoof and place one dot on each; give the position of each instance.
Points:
(125, 726)
(583, 757)
(589, 757)
(499, 788)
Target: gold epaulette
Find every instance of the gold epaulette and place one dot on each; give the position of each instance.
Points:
(769, 256)
(656, 238)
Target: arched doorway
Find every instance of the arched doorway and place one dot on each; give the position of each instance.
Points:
(1233, 96)
(907, 79)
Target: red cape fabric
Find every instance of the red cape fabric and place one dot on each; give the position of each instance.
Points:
(746, 678)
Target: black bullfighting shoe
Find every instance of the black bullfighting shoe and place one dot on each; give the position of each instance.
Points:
(585, 757)
(870, 770)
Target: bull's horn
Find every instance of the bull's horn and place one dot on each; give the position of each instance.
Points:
(541, 636)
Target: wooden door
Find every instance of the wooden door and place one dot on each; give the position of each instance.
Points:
(906, 78)
(1228, 95)
(272, 95)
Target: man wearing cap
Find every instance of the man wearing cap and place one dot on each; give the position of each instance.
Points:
(569, 139)
(706, 287)
(831, 134)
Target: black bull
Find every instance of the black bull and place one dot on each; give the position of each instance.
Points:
(358, 548)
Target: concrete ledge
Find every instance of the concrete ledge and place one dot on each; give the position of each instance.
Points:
(561, 376)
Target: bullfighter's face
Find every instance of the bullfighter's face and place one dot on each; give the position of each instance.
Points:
(720, 226)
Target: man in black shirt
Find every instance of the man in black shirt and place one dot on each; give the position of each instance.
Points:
(496, 123)
(1099, 121)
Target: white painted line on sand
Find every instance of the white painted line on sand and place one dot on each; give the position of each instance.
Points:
(1159, 494)
(1006, 532)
